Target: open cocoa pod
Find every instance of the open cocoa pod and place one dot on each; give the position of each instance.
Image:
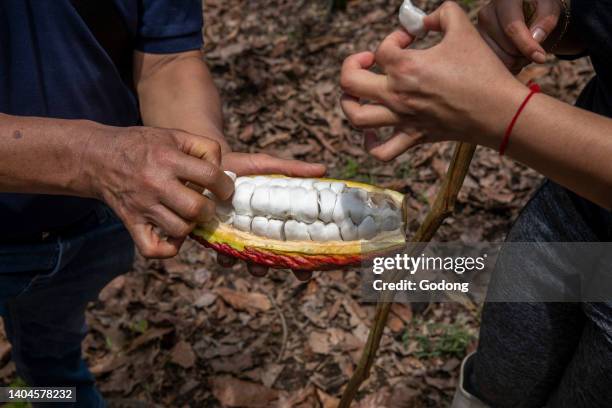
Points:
(305, 224)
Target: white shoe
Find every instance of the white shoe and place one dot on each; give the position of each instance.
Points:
(464, 399)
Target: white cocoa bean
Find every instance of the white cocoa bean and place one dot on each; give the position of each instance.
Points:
(322, 185)
(242, 222)
(260, 202)
(241, 201)
(280, 202)
(348, 230)
(367, 229)
(304, 204)
(307, 184)
(296, 231)
(275, 229)
(337, 187)
(411, 18)
(327, 202)
(259, 226)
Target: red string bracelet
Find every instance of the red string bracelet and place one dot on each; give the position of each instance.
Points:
(533, 89)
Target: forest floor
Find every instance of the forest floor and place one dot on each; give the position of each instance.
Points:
(186, 332)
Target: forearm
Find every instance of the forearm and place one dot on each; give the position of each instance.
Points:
(178, 92)
(45, 156)
(569, 145)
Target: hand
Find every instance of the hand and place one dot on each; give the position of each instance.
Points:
(452, 91)
(141, 172)
(502, 24)
(260, 163)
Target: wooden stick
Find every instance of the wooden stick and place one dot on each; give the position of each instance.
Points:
(441, 209)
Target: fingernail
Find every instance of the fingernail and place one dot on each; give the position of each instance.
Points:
(538, 57)
(538, 34)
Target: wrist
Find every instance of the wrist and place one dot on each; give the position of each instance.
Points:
(95, 158)
(500, 106)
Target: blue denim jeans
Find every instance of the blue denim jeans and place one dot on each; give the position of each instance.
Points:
(557, 355)
(44, 290)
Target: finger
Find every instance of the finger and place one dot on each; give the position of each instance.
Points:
(199, 146)
(177, 242)
(226, 261)
(205, 174)
(392, 48)
(150, 244)
(257, 270)
(491, 30)
(187, 203)
(447, 18)
(357, 81)
(367, 115)
(390, 149)
(545, 20)
(260, 163)
(302, 275)
(173, 225)
(512, 20)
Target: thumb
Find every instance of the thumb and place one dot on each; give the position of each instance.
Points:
(545, 20)
(447, 18)
(512, 16)
(261, 163)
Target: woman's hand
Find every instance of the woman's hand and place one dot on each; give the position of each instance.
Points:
(244, 164)
(456, 90)
(502, 24)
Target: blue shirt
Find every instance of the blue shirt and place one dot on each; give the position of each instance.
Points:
(592, 19)
(51, 65)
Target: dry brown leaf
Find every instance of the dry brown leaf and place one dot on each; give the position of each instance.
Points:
(5, 350)
(183, 355)
(244, 300)
(402, 311)
(405, 397)
(316, 44)
(327, 401)
(379, 399)
(232, 365)
(247, 133)
(303, 398)
(271, 373)
(395, 324)
(232, 392)
(112, 289)
(175, 267)
(319, 342)
(149, 335)
(533, 72)
(7, 371)
(108, 363)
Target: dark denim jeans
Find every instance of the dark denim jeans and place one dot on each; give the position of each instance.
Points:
(557, 355)
(44, 290)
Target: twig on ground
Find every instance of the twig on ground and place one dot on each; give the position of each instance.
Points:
(284, 325)
(442, 208)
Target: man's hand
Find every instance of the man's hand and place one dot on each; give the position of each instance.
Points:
(141, 173)
(448, 92)
(259, 163)
(502, 24)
